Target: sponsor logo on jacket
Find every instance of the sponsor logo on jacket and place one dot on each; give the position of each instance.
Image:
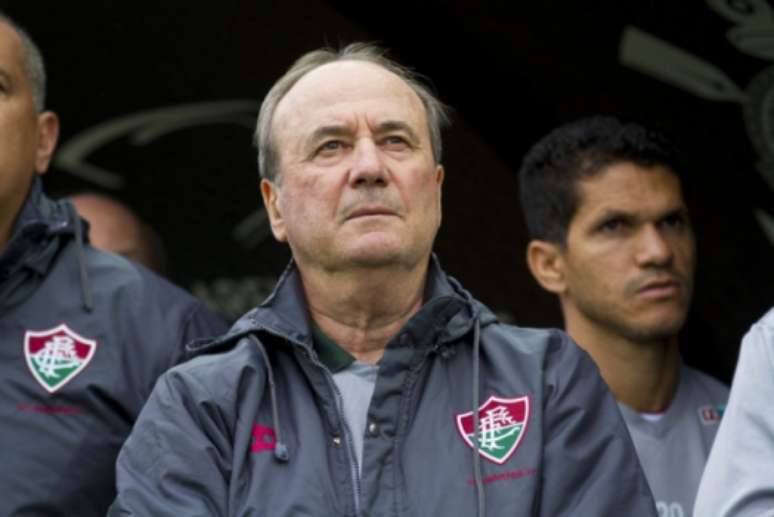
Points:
(264, 439)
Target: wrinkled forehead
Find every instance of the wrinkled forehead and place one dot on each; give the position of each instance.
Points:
(347, 92)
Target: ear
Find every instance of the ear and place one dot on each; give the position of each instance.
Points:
(48, 135)
(439, 175)
(546, 264)
(270, 193)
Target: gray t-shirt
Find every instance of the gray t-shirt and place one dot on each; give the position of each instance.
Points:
(355, 381)
(674, 448)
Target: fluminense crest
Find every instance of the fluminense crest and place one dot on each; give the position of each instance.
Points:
(502, 425)
(56, 356)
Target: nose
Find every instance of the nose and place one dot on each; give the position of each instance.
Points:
(653, 250)
(368, 168)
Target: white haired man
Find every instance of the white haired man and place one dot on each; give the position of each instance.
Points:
(370, 383)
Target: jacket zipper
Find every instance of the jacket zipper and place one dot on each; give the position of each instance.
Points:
(353, 467)
(354, 471)
(354, 474)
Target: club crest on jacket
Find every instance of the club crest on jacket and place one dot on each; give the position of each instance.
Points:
(56, 356)
(502, 424)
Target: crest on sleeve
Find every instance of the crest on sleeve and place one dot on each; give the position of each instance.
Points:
(56, 356)
(711, 414)
(502, 424)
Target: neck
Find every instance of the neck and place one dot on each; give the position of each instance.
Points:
(9, 212)
(641, 375)
(362, 310)
(7, 221)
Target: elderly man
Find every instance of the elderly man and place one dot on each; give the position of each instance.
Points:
(83, 334)
(612, 238)
(370, 383)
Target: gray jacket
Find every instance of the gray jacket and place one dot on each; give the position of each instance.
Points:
(253, 426)
(83, 337)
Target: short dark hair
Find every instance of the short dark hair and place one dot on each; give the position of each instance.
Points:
(581, 149)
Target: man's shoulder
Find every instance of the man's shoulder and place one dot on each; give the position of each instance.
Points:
(530, 340)
(550, 350)
(767, 320)
(114, 277)
(222, 374)
(114, 272)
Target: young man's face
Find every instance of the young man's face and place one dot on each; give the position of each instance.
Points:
(629, 258)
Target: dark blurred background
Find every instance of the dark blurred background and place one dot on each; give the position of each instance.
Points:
(157, 102)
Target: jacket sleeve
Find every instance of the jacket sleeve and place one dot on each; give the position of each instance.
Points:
(176, 460)
(590, 466)
(738, 477)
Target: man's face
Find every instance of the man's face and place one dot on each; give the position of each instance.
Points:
(629, 256)
(359, 187)
(27, 138)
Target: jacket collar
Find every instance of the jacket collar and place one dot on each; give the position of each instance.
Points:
(40, 221)
(447, 314)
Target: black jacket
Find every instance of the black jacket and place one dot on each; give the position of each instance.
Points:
(83, 336)
(253, 428)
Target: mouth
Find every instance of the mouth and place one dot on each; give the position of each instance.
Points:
(370, 211)
(657, 289)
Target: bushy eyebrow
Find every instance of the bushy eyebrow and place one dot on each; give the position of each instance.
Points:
(338, 130)
(326, 131)
(389, 126)
(630, 217)
(610, 215)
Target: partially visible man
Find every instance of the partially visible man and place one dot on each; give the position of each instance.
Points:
(370, 382)
(114, 227)
(738, 481)
(612, 238)
(83, 334)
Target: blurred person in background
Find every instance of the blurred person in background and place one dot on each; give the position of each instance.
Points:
(114, 227)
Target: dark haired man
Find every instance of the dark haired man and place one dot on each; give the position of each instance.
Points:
(612, 238)
(371, 383)
(83, 334)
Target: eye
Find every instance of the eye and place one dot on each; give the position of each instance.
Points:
(613, 225)
(676, 221)
(330, 147)
(395, 143)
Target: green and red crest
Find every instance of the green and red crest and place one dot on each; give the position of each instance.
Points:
(56, 356)
(502, 424)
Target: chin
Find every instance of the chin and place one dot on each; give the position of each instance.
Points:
(658, 330)
(375, 258)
